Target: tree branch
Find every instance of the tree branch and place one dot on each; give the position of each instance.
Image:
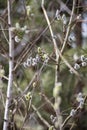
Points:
(10, 81)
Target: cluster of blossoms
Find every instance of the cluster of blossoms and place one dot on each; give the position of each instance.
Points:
(43, 56)
(53, 119)
(80, 62)
(80, 101)
(28, 96)
(63, 18)
(31, 61)
(40, 57)
(23, 29)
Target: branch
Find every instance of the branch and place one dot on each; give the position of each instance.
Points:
(69, 27)
(41, 118)
(10, 81)
(57, 52)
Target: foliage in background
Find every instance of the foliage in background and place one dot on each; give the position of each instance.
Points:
(29, 21)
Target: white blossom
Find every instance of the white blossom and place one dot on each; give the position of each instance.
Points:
(29, 61)
(25, 64)
(72, 113)
(17, 39)
(37, 58)
(64, 19)
(76, 66)
(57, 15)
(71, 71)
(17, 26)
(84, 64)
(34, 62)
(75, 57)
(81, 104)
(82, 58)
(79, 97)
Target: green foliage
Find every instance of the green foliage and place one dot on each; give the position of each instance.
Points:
(3, 4)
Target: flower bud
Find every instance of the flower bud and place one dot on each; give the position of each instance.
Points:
(76, 66)
(17, 39)
(82, 58)
(84, 64)
(72, 113)
(57, 89)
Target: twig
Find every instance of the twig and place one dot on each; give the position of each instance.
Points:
(47, 100)
(41, 118)
(4, 33)
(69, 27)
(28, 109)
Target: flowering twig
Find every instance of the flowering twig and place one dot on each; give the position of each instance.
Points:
(74, 111)
(69, 27)
(57, 52)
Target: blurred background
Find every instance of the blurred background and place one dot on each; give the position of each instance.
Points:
(29, 36)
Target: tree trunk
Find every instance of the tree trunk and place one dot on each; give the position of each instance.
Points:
(11, 55)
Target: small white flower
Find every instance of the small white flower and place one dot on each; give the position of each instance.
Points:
(29, 61)
(79, 16)
(81, 104)
(57, 15)
(46, 60)
(25, 64)
(37, 58)
(28, 9)
(75, 57)
(82, 58)
(72, 113)
(27, 31)
(80, 97)
(71, 71)
(24, 28)
(17, 39)
(64, 19)
(76, 66)
(51, 117)
(71, 38)
(84, 64)
(17, 26)
(34, 62)
(55, 37)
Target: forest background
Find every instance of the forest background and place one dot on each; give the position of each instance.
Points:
(43, 64)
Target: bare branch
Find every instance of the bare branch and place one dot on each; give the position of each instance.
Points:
(11, 64)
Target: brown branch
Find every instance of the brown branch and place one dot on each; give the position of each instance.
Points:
(41, 118)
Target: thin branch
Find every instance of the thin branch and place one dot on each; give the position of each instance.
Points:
(47, 100)
(4, 33)
(41, 118)
(69, 27)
